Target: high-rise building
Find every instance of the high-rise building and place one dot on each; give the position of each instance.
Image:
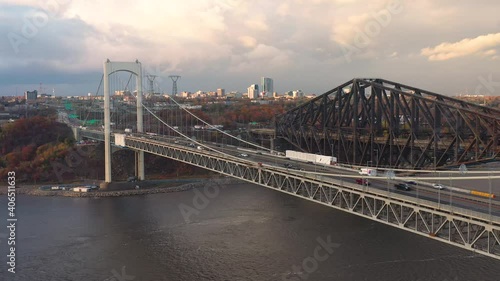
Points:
(267, 86)
(221, 92)
(253, 91)
(30, 96)
(297, 94)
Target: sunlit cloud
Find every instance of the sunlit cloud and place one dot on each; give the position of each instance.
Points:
(300, 39)
(248, 41)
(469, 46)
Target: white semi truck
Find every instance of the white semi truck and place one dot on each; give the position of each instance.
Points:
(368, 171)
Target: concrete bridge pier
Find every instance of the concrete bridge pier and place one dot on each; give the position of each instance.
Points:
(139, 165)
(76, 134)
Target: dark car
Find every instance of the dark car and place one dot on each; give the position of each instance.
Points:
(402, 186)
(411, 182)
(132, 179)
(362, 181)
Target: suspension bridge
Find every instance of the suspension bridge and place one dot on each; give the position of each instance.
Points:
(408, 128)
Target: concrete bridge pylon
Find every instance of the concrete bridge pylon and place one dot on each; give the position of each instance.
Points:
(136, 69)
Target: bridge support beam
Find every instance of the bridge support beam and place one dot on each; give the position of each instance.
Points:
(139, 160)
(107, 124)
(76, 134)
(139, 165)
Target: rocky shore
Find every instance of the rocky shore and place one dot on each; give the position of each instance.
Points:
(123, 189)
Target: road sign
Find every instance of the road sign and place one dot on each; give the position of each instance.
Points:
(390, 174)
(463, 169)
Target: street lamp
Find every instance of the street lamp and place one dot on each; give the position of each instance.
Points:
(376, 158)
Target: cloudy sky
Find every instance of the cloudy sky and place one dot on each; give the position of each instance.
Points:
(447, 46)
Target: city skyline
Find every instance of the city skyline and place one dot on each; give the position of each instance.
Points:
(309, 45)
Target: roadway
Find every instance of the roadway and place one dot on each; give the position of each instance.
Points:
(422, 191)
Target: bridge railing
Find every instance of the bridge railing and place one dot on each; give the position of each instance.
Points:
(416, 201)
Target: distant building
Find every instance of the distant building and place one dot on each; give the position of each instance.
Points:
(199, 94)
(234, 95)
(30, 96)
(253, 91)
(221, 92)
(294, 94)
(267, 86)
(123, 93)
(261, 101)
(184, 94)
(297, 94)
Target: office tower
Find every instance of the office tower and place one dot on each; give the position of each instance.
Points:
(267, 86)
(253, 91)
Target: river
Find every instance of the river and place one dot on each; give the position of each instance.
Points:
(241, 232)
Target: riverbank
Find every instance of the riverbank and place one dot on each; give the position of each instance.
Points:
(119, 189)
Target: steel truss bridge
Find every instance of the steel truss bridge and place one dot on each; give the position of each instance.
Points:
(392, 125)
(461, 227)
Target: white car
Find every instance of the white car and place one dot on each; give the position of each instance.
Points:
(243, 155)
(437, 186)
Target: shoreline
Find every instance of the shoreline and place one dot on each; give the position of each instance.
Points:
(149, 189)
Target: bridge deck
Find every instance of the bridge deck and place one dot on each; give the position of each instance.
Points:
(465, 228)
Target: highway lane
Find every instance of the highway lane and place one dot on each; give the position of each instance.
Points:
(419, 192)
(484, 185)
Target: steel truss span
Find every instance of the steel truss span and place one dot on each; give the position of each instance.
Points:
(392, 125)
(466, 229)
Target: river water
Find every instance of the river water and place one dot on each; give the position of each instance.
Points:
(245, 232)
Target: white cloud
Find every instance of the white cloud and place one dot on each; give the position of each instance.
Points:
(263, 52)
(394, 55)
(347, 32)
(283, 10)
(336, 2)
(248, 41)
(262, 57)
(490, 52)
(359, 34)
(466, 47)
(257, 24)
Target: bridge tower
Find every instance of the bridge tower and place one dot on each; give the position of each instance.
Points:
(110, 68)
